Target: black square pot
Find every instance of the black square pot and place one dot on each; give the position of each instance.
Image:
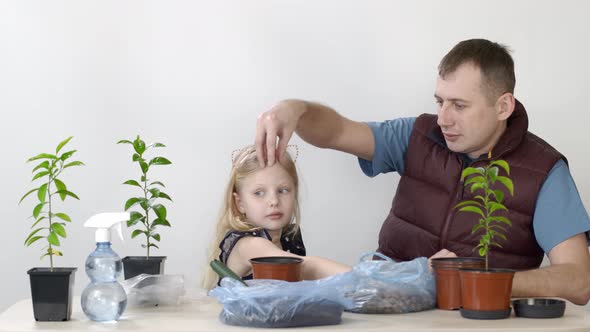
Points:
(135, 265)
(51, 292)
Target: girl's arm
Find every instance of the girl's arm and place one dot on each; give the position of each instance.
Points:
(251, 247)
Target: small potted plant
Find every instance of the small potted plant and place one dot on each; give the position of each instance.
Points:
(51, 288)
(148, 202)
(485, 293)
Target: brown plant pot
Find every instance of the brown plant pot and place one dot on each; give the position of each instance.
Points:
(277, 267)
(485, 294)
(448, 285)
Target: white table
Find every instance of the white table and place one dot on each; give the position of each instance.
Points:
(202, 315)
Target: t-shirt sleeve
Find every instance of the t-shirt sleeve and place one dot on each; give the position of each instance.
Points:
(559, 212)
(232, 237)
(391, 143)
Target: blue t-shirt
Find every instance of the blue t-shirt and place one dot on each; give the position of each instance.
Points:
(559, 212)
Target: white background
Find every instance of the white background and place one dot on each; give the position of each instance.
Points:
(195, 74)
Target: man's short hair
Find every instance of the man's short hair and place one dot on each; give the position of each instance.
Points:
(493, 59)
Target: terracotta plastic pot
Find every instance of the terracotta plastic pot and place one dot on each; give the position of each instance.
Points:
(277, 267)
(485, 294)
(448, 285)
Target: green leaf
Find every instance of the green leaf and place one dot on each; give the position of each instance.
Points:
(496, 206)
(161, 222)
(27, 194)
(475, 179)
(160, 161)
(471, 170)
(58, 229)
(473, 209)
(144, 167)
(42, 156)
(476, 186)
(33, 240)
(143, 178)
(124, 141)
(63, 216)
(67, 193)
(160, 211)
(131, 202)
(33, 234)
(74, 163)
(139, 145)
(40, 174)
(482, 251)
(155, 192)
(507, 183)
(154, 245)
(496, 244)
(499, 227)
(53, 239)
(38, 221)
(133, 183)
(44, 164)
(156, 145)
(165, 196)
(476, 228)
(502, 164)
(500, 235)
(501, 219)
(62, 143)
(60, 186)
(136, 233)
(468, 202)
(499, 195)
(492, 173)
(37, 210)
(137, 157)
(67, 155)
(42, 192)
(157, 183)
(156, 237)
(134, 218)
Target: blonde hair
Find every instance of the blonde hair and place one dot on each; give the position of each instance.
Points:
(230, 218)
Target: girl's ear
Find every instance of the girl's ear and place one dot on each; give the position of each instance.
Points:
(238, 202)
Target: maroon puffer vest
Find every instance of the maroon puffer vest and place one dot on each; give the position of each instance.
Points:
(423, 220)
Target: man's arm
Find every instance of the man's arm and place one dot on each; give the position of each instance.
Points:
(567, 277)
(316, 124)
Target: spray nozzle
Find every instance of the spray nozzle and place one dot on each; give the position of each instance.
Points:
(104, 221)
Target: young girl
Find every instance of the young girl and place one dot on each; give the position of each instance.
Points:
(260, 217)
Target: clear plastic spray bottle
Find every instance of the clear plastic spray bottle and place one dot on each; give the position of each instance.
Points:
(104, 299)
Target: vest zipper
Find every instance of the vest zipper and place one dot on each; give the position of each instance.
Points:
(455, 197)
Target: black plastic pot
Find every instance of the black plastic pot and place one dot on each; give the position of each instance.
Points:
(51, 292)
(136, 265)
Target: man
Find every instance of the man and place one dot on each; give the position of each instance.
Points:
(478, 120)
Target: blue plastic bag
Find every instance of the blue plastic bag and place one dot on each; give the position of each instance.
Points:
(275, 303)
(386, 286)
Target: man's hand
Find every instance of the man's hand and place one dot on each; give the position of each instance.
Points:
(278, 122)
(441, 254)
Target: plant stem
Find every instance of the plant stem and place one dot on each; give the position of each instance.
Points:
(147, 217)
(49, 215)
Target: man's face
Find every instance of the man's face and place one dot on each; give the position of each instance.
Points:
(469, 123)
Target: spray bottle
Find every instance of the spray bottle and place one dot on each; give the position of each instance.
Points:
(104, 299)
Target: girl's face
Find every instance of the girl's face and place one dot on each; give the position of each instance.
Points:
(267, 197)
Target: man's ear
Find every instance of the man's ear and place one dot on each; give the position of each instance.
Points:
(238, 202)
(505, 106)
